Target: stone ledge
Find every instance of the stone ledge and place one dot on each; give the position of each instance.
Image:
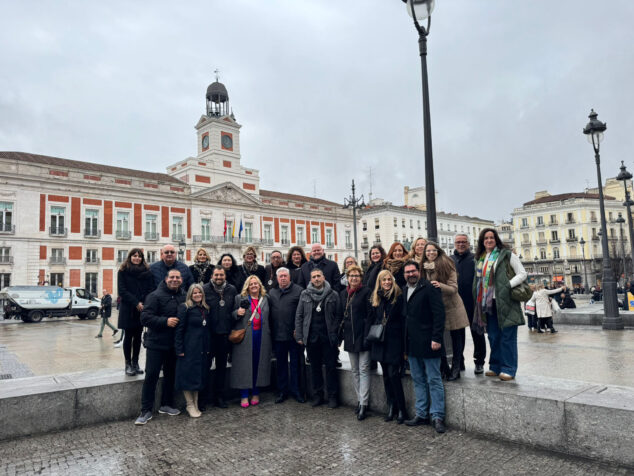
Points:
(584, 318)
(578, 418)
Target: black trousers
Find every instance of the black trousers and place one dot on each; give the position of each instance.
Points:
(457, 344)
(393, 386)
(479, 345)
(323, 353)
(215, 388)
(154, 361)
(132, 344)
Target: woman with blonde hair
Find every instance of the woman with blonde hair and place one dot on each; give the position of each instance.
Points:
(251, 358)
(192, 343)
(440, 270)
(418, 249)
(387, 309)
(202, 269)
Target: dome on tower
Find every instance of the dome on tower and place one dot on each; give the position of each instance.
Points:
(217, 92)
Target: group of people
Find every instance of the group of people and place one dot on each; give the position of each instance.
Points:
(395, 312)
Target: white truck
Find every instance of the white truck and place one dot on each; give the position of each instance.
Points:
(32, 303)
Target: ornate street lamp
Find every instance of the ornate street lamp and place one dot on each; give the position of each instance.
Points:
(620, 220)
(611, 318)
(582, 242)
(624, 175)
(420, 10)
(356, 204)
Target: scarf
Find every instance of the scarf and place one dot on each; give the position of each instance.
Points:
(318, 295)
(219, 289)
(394, 265)
(250, 268)
(136, 269)
(352, 291)
(485, 290)
(201, 268)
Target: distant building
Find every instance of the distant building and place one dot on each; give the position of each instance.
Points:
(505, 232)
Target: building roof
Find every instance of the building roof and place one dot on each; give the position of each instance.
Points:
(296, 198)
(87, 166)
(566, 196)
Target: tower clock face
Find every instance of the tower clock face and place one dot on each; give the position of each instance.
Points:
(205, 142)
(227, 142)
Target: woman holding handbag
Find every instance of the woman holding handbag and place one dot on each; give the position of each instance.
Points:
(192, 343)
(354, 303)
(251, 359)
(387, 346)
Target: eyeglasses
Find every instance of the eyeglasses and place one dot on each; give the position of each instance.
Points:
(411, 272)
(350, 276)
(461, 242)
(169, 252)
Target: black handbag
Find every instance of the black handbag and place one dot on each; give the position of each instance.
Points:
(377, 331)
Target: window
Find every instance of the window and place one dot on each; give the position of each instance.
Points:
(91, 283)
(376, 223)
(205, 229)
(594, 234)
(395, 236)
(553, 219)
(612, 233)
(151, 229)
(268, 232)
(248, 232)
(6, 217)
(5, 253)
(348, 239)
(301, 235)
(527, 253)
(411, 223)
(540, 220)
(123, 226)
(177, 228)
(554, 235)
(541, 237)
(5, 280)
(573, 251)
(228, 234)
(91, 223)
(121, 255)
(57, 279)
(593, 217)
(571, 234)
(57, 256)
(267, 257)
(57, 221)
(329, 240)
(525, 238)
(284, 235)
(542, 253)
(524, 224)
(403, 223)
(151, 256)
(441, 227)
(570, 217)
(555, 253)
(610, 216)
(91, 256)
(395, 221)
(364, 225)
(314, 235)
(418, 224)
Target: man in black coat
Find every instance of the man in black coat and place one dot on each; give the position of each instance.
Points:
(329, 268)
(159, 316)
(283, 301)
(425, 316)
(465, 266)
(270, 280)
(106, 312)
(220, 296)
(168, 262)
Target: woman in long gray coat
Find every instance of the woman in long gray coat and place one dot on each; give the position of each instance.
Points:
(251, 358)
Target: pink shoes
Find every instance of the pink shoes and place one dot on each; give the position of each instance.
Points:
(244, 403)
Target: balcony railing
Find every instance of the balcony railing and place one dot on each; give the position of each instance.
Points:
(178, 237)
(301, 242)
(541, 242)
(572, 238)
(348, 246)
(593, 220)
(123, 235)
(540, 225)
(365, 245)
(554, 241)
(595, 238)
(553, 223)
(220, 239)
(151, 236)
(57, 231)
(526, 243)
(7, 228)
(570, 221)
(57, 260)
(285, 242)
(4, 259)
(92, 260)
(89, 233)
(330, 244)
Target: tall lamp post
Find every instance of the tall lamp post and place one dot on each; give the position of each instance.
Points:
(611, 318)
(355, 203)
(624, 175)
(420, 10)
(582, 242)
(620, 220)
(181, 250)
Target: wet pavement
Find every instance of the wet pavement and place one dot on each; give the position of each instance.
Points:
(584, 353)
(279, 439)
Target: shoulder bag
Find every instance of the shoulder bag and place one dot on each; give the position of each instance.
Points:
(377, 331)
(237, 335)
(522, 292)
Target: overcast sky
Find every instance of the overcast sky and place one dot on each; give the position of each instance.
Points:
(326, 89)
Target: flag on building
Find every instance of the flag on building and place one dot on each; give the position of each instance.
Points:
(240, 231)
(233, 229)
(225, 232)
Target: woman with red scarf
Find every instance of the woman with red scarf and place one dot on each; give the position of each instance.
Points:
(354, 307)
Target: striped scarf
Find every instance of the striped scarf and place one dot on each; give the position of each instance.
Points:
(485, 289)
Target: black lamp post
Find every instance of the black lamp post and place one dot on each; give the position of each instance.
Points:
(181, 249)
(354, 203)
(611, 318)
(582, 242)
(620, 220)
(624, 175)
(420, 10)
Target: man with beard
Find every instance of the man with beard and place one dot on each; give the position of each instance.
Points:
(277, 262)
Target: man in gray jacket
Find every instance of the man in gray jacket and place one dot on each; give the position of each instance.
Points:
(283, 301)
(316, 326)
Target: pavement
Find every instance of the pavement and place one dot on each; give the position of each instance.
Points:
(280, 439)
(586, 353)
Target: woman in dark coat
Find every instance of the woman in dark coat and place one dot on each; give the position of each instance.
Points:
(387, 304)
(251, 361)
(202, 269)
(377, 256)
(394, 261)
(134, 283)
(354, 309)
(250, 267)
(230, 265)
(192, 343)
(294, 260)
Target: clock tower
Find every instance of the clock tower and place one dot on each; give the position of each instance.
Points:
(218, 148)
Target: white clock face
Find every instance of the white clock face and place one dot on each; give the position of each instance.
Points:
(227, 142)
(205, 142)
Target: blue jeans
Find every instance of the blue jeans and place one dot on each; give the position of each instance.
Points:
(503, 343)
(430, 393)
(284, 350)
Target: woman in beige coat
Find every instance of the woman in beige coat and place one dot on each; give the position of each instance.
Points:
(440, 270)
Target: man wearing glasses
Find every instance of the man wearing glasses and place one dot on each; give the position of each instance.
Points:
(465, 266)
(168, 262)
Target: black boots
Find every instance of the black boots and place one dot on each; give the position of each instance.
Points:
(362, 412)
(455, 373)
(391, 412)
(129, 370)
(401, 417)
(137, 369)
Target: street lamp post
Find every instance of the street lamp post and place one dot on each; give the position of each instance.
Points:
(620, 220)
(624, 175)
(420, 10)
(611, 318)
(582, 242)
(355, 203)
(181, 250)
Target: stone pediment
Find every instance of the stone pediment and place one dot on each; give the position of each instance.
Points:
(227, 193)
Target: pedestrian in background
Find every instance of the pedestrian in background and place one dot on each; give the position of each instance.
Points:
(202, 268)
(106, 312)
(387, 306)
(251, 360)
(192, 343)
(544, 307)
(134, 283)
